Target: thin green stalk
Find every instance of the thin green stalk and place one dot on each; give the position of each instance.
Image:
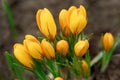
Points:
(39, 70)
(36, 73)
(104, 66)
(96, 59)
(10, 61)
(14, 67)
(17, 72)
(10, 18)
(87, 58)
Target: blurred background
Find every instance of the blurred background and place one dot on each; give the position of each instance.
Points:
(103, 16)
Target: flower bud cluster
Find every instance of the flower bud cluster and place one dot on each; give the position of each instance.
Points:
(69, 49)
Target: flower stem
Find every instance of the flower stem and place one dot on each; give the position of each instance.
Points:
(104, 67)
(96, 59)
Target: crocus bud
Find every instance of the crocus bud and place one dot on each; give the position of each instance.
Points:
(58, 78)
(73, 20)
(78, 20)
(108, 41)
(33, 46)
(85, 66)
(81, 47)
(48, 49)
(62, 47)
(64, 19)
(23, 56)
(46, 23)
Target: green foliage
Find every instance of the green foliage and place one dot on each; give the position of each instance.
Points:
(15, 67)
(10, 18)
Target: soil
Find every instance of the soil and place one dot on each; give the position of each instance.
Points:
(103, 16)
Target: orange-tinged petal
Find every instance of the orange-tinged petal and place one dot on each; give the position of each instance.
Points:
(64, 22)
(22, 55)
(58, 78)
(48, 49)
(63, 19)
(85, 66)
(46, 23)
(82, 24)
(108, 41)
(51, 25)
(82, 10)
(31, 38)
(38, 18)
(34, 49)
(70, 10)
(77, 22)
(62, 47)
(81, 47)
(74, 22)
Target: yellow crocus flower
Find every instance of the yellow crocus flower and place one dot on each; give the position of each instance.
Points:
(85, 66)
(62, 47)
(33, 46)
(58, 78)
(48, 49)
(81, 47)
(108, 41)
(64, 19)
(64, 23)
(73, 20)
(78, 20)
(23, 56)
(46, 23)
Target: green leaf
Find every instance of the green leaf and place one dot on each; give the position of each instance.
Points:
(10, 61)
(10, 18)
(17, 71)
(87, 58)
(89, 36)
(39, 70)
(53, 67)
(13, 67)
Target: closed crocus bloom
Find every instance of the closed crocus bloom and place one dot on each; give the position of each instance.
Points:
(78, 20)
(33, 46)
(48, 49)
(58, 78)
(64, 19)
(108, 41)
(85, 65)
(46, 23)
(62, 47)
(81, 47)
(22, 55)
(64, 22)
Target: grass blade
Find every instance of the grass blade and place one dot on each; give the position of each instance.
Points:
(10, 18)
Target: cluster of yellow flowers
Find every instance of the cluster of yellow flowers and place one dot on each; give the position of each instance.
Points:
(72, 21)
